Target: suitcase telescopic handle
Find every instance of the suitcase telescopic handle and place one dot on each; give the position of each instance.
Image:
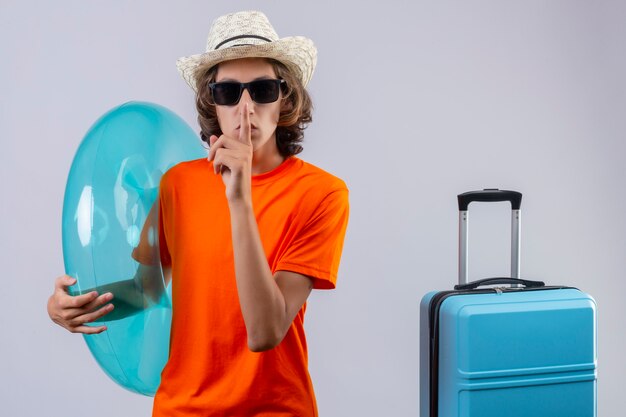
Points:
(490, 195)
(492, 281)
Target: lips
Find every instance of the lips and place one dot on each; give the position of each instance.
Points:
(252, 126)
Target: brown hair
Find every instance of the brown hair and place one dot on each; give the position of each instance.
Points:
(294, 116)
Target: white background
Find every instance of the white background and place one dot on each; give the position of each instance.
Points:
(415, 102)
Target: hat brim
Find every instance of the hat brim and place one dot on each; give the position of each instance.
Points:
(297, 53)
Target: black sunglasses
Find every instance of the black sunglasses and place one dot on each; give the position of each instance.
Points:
(228, 93)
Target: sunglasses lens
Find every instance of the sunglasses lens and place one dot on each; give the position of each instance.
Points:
(226, 94)
(265, 91)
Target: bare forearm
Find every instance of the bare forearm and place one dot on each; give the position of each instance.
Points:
(262, 303)
(134, 295)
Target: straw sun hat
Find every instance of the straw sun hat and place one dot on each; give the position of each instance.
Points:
(250, 35)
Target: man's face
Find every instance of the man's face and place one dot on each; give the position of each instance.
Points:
(263, 117)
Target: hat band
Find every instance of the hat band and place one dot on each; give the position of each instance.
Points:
(240, 37)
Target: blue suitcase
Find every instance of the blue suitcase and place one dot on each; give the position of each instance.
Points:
(520, 349)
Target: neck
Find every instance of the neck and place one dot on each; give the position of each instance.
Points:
(266, 158)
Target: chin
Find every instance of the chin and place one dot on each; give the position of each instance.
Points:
(257, 136)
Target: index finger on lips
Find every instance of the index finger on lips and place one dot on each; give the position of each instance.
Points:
(244, 131)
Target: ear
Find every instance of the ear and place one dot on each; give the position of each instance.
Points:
(286, 105)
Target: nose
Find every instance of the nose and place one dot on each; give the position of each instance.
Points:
(246, 98)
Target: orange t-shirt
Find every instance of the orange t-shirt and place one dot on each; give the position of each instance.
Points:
(302, 214)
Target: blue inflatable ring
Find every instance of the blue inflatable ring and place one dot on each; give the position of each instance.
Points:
(112, 186)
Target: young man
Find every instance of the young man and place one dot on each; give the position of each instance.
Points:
(247, 233)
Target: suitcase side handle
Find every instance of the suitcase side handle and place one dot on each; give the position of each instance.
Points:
(490, 195)
(491, 281)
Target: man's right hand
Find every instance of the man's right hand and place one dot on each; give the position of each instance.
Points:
(73, 312)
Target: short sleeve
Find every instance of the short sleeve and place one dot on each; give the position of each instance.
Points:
(316, 249)
(150, 250)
